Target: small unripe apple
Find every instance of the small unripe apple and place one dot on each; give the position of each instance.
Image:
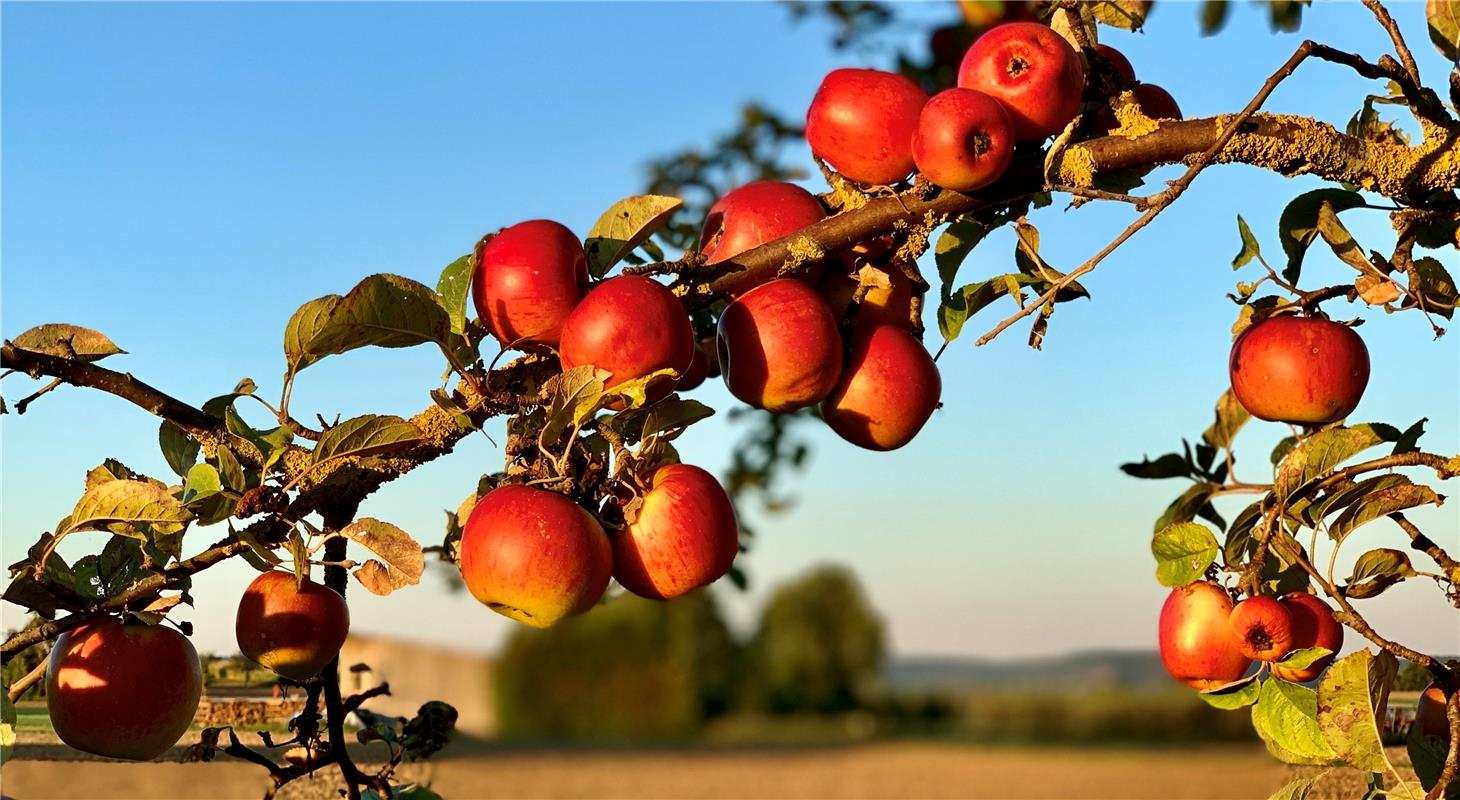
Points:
(630, 326)
(964, 141)
(1263, 628)
(1032, 71)
(1430, 717)
(122, 690)
(779, 346)
(861, 122)
(754, 214)
(887, 391)
(880, 305)
(534, 555)
(528, 279)
(293, 630)
(684, 536)
(1118, 61)
(1313, 626)
(1301, 370)
(1198, 647)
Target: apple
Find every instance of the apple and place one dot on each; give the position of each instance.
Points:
(1032, 71)
(630, 326)
(887, 391)
(861, 122)
(889, 304)
(988, 13)
(1117, 60)
(699, 369)
(1198, 647)
(1430, 716)
(1155, 102)
(684, 536)
(779, 347)
(1300, 370)
(123, 690)
(1313, 626)
(1263, 627)
(293, 630)
(528, 279)
(534, 555)
(754, 214)
(964, 140)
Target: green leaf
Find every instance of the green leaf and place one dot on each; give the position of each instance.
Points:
(401, 559)
(969, 300)
(306, 323)
(626, 225)
(1380, 503)
(573, 397)
(1444, 23)
(1230, 417)
(1408, 441)
(1250, 249)
(1239, 535)
(1377, 570)
(1296, 789)
(1214, 16)
(270, 444)
(673, 414)
(1326, 449)
(1310, 512)
(953, 246)
(1170, 465)
(1304, 658)
(1194, 502)
(1287, 715)
(381, 311)
(1341, 241)
(634, 393)
(1183, 552)
(1351, 700)
(67, 341)
(202, 482)
(118, 505)
(1127, 15)
(371, 434)
(180, 449)
(1298, 225)
(259, 556)
(452, 288)
(230, 470)
(1232, 696)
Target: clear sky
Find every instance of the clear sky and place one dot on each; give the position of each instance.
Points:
(182, 177)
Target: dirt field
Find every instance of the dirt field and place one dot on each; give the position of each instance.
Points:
(918, 770)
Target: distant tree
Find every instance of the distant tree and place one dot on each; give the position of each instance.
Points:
(633, 669)
(819, 647)
(1412, 678)
(20, 666)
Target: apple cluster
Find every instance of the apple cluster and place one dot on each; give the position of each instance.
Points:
(123, 689)
(1207, 642)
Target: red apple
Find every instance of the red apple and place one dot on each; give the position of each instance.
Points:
(699, 369)
(684, 536)
(1032, 71)
(1313, 626)
(887, 391)
(881, 305)
(1198, 647)
(1301, 370)
(779, 346)
(965, 140)
(528, 279)
(293, 630)
(1155, 102)
(1263, 628)
(630, 326)
(754, 214)
(534, 555)
(1118, 61)
(1430, 717)
(988, 13)
(861, 122)
(123, 690)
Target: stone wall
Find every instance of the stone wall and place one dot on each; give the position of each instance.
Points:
(418, 673)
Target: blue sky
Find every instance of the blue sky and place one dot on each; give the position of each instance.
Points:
(182, 177)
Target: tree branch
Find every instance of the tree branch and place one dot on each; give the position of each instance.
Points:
(1426, 545)
(30, 679)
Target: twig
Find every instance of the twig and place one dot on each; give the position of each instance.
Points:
(1161, 200)
(25, 403)
(358, 699)
(18, 688)
(1400, 48)
(1424, 544)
